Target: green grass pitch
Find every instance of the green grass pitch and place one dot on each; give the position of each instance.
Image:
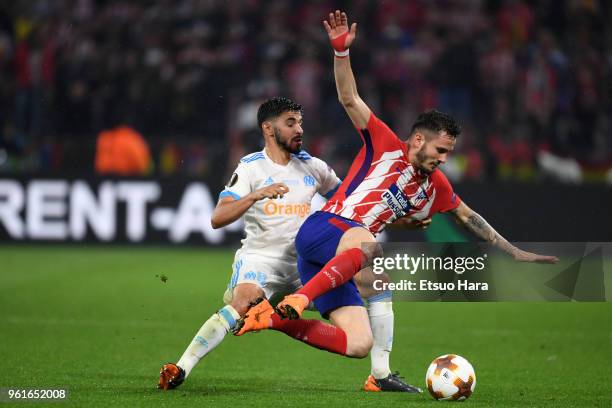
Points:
(100, 322)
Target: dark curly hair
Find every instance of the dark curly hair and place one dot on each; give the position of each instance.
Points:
(436, 121)
(274, 107)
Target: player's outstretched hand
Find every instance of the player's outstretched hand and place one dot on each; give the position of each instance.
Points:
(411, 224)
(524, 256)
(276, 190)
(338, 31)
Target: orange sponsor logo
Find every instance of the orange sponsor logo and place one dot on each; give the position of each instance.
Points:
(273, 208)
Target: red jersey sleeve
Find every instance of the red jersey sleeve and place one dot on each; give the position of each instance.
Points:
(381, 136)
(446, 199)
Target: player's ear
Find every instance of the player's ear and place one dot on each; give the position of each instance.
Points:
(418, 139)
(266, 127)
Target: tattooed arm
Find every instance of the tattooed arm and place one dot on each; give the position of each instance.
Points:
(481, 228)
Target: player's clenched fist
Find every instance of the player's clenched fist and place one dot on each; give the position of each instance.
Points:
(276, 190)
(338, 31)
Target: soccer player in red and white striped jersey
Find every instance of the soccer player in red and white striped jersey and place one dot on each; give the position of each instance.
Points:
(390, 180)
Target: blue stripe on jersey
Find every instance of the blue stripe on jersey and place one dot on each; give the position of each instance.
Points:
(252, 157)
(331, 192)
(236, 274)
(365, 166)
(227, 193)
(255, 158)
(249, 156)
(303, 155)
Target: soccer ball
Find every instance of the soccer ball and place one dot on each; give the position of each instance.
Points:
(450, 377)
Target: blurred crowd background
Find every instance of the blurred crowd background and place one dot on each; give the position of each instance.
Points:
(529, 80)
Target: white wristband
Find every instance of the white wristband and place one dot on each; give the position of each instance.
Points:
(341, 54)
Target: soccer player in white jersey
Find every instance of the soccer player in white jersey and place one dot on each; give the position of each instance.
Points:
(273, 189)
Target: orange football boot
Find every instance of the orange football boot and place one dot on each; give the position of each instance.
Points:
(371, 384)
(170, 376)
(257, 317)
(292, 306)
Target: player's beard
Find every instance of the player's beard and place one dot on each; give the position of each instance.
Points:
(286, 144)
(422, 161)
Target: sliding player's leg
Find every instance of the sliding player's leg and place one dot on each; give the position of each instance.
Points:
(210, 335)
(248, 283)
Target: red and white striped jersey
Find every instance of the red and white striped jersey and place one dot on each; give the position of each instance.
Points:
(382, 185)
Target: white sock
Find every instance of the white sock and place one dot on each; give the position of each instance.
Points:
(380, 310)
(208, 337)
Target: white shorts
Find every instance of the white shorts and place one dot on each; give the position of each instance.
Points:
(277, 278)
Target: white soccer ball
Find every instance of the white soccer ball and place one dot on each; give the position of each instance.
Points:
(450, 377)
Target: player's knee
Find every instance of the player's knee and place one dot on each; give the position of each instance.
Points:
(241, 304)
(243, 296)
(365, 281)
(359, 346)
(357, 237)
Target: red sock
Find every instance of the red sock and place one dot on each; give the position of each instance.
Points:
(313, 332)
(336, 272)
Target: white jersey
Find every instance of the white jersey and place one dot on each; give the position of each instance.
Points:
(272, 224)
